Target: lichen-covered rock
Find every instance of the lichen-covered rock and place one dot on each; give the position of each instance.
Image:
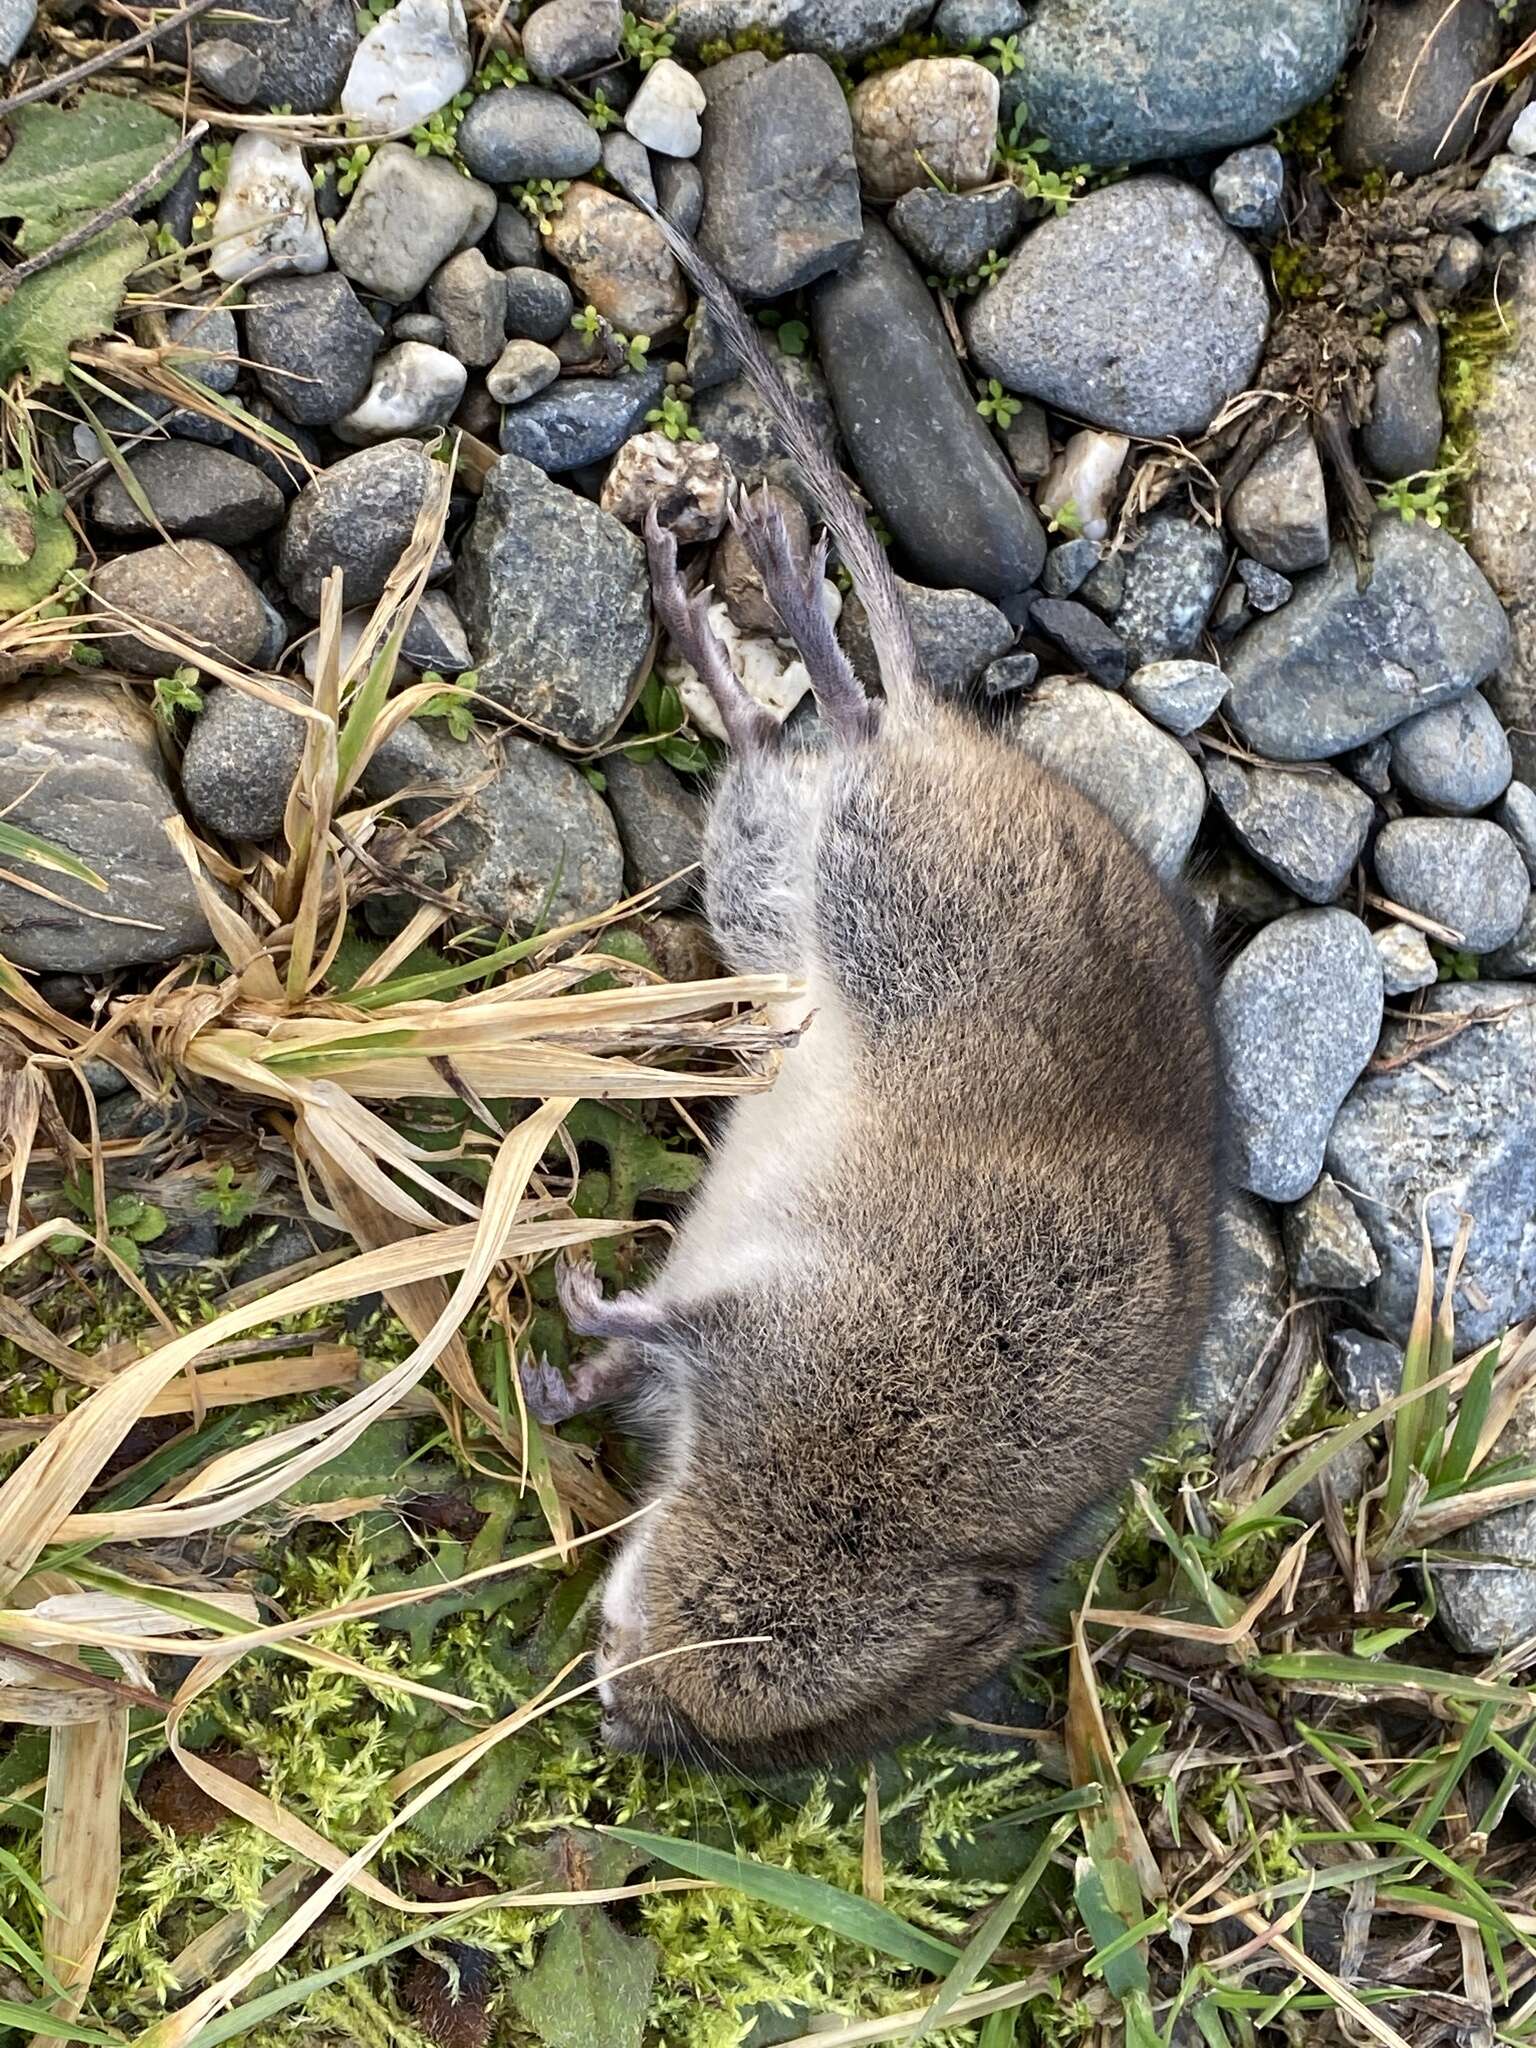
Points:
(1123, 81)
(80, 765)
(618, 261)
(556, 601)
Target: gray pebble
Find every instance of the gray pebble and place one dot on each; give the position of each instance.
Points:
(471, 301)
(1139, 774)
(956, 632)
(1267, 589)
(1406, 961)
(1507, 194)
(435, 637)
(188, 588)
(1402, 436)
(1009, 676)
(1180, 695)
(951, 233)
(424, 327)
(580, 419)
(539, 304)
(517, 237)
(1326, 1243)
(965, 24)
(1307, 827)
(1171, 583)
(1516, 961)
(407, 216)
(194, 492)
(1253, 1292)
(1465, 873)
(1455, 757)
(357, 516)
(1279, 512)
(1517, 814)
(228, 69)
(1410, 104)
(519, 132)
(1366, 1370)
(1248, 187)
(565, 38)
(661, 827)
(1067, 566)
(1095, 648)
(1298, 1012)
(680, 189)
(311, 343)
(522, 368)
(239, 763)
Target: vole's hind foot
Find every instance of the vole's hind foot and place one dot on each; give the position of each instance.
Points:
(555, 1396)
(590, 1312)
(747, 724)
(793, 588)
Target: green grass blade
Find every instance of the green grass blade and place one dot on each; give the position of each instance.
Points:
(1408, 1425)
(856, 1919)
(989, 1937)
(1470, 1417)
(32, 2019)
(1330, 1667)
(1471, 1746)
(16, 843)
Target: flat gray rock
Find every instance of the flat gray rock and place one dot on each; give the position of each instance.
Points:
(556, 602)
(956, 633)
(239, 764)
(356, 516)
(1298, 1012)
(1338, 665)
(1366, 1370)
(1123, 81)
(190, 589)
(1253, 1291)
(311, 343)
(1517, 814)
(949, 233)
(1465, 873)
(304, 48)
(1454, 1126)
(1139, 310)
(661, 827)
(919, 446)
(532, 845)
(1402, 436)
(1455, 757)
(408, 215)
(1131, 768)
(580, 419)
(81, 765)
(1326, 1243)
(1179, 695)
(1307, 826)
(194, 492)
(781, 190)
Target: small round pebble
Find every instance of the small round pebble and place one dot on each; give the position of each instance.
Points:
(1267, 589)
(413, 386)
(539, 304)
(1465, 873)
(1517, 814)
(1248, 185)
(1406, 961)
(522, 368)
(1507, 193)
(1455, 757)
(566, 38)
(1179, 695)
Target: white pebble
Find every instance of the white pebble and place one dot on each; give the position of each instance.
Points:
(664, 113)
(407, 67)
(1522, 137)
(265, 221)
(1084, 477)
(414, 386)
(772, 674)
(1406, 961)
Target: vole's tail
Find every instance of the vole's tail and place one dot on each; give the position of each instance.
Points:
(890, 629)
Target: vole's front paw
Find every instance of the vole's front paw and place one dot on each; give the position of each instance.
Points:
(580, 1294)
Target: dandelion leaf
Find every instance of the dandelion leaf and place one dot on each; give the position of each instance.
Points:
(591, 1986)
(74, 301)
(66, 166)
(37, 548)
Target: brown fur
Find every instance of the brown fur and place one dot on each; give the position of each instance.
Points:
(944, 1284)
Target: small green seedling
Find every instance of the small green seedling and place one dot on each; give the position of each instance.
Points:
(671, 417)
(999, 406)
(177, 692)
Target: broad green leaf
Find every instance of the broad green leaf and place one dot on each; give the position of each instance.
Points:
(66, 166)
(856, 1919)
(39, 548)
(591, 1985)
(16, 843)
(74, 301)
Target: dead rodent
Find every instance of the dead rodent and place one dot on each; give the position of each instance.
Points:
(943, 1284)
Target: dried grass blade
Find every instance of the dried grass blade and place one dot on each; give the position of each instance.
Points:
(81, 1848)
